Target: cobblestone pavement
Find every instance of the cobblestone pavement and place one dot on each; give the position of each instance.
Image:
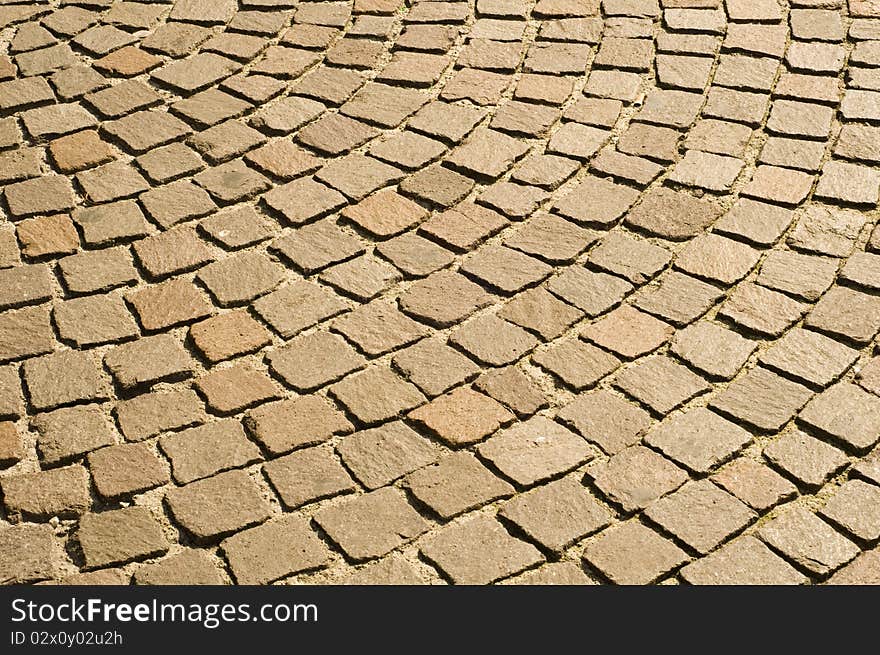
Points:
(505, 290)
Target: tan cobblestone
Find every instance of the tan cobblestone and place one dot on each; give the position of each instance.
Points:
(549, 264)
(373, 524)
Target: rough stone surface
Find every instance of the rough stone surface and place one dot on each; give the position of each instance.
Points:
(195, 567)
(628, 332)
(564, 292)
(381, 455)
(807, 541)
(847, 413)
(288, 424)
(762, 399)
(633, 554)
(479, 551)
(60, 492)
(306, 476)
(126, 469)
(371, 525)
(461, 417)
(303, 362)
(854, 508)
(27, 553)
(636, 476)
(356, 393)
(82, 381)
(434, 367)
(274, 550)
(701, 515)
(198, 452)
(120, 536)
(535, 450)
(456, 484)
(606, 420)
(755, 484)
(557, 514)
(64, 434)
(698, 439)
(211, 508)
(661, 384)
(745, 561)
(147, 415)
(148, 360)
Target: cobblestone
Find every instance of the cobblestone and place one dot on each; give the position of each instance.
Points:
(558, 514)
(211, 508)
(535, 450)
(308, 475)
(514, 389)
(373, 524)
(274, 550)
(745, 561)
(633, 554)
(120, 536)
(754, 484)
(762, 399)
(60, 492)
(807, 541)
(27, 553)
(381, 455)
(455, 484)
(806, 459)
(847, 413)
(303, 421)
(201, 451)
(126, 469)
(661, 384)
(190, 566)
(637, 476)
(701, 515)
(497, 263)
(461, 417)
(147, 415)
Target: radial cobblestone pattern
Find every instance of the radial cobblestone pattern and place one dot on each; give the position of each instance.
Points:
(554, 291)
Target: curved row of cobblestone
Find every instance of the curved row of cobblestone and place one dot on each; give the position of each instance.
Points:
(554, 291)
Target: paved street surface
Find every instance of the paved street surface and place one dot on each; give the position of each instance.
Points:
(518, 291)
